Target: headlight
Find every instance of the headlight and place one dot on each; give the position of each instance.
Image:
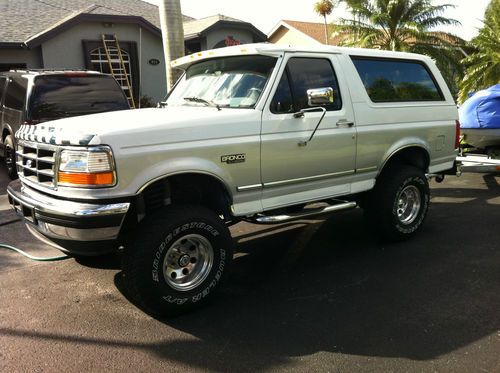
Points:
(86, 168)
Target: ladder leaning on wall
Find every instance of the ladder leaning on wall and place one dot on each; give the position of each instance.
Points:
(117, 65)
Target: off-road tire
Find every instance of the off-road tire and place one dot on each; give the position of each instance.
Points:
(385, 206)
(178, 229)
(10, 157)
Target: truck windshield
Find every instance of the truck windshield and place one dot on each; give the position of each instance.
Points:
(60, 96)
(233, 82)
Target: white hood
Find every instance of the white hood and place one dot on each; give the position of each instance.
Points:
(136, 127)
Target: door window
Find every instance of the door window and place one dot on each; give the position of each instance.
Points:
(300, 75)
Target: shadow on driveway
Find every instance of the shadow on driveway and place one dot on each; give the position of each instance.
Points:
(331, 287)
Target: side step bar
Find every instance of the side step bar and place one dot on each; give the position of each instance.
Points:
(275, 219)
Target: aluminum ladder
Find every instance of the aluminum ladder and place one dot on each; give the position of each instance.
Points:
(117, 65)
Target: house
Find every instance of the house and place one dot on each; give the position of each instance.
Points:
(69, 34)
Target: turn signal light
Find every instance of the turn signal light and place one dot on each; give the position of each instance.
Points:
(69, 178)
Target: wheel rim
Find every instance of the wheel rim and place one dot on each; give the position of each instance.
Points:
(409, 203)
(188, 262)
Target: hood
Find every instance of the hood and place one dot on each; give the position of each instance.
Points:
(95, 129)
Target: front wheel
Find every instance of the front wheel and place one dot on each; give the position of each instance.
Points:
(398, 204)
(10, 157)
(178, 260)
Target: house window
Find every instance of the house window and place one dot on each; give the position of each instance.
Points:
(99, 62)
(96, 59)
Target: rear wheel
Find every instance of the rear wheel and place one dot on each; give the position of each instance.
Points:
(178, 260)
(398, 204)
(10, 157)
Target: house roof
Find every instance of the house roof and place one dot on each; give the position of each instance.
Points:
(196, 27)
(23, 19)
(31, 22)
(313, 30)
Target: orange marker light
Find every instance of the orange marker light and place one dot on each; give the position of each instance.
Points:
(104, 178)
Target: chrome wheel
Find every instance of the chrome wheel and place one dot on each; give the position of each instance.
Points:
(409, 203)
(188, 262)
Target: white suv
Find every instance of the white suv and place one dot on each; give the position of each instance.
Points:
(252, 132)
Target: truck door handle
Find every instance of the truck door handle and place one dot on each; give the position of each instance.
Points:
(344, 123)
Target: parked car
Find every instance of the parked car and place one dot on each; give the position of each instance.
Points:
(251, 133)
(35, 96)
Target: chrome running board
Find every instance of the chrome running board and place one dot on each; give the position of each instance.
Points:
(275, 219)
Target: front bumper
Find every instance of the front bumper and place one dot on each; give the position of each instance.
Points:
(79, 228)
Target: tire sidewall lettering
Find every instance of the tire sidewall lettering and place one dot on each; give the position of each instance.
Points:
(212, 280)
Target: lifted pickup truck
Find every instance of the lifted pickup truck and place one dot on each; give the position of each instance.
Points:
(251, 132)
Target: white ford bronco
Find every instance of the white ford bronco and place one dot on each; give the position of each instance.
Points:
(253, 132)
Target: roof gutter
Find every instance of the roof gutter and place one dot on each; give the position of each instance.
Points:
(13, 45)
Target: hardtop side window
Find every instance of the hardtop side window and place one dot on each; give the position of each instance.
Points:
(15, 97)
(391, 80)
(305, 73)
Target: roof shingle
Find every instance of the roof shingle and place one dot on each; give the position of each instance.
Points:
(22, 19)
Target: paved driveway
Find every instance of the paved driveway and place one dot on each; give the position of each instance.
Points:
(326, 296)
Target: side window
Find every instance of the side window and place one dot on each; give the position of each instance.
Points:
(309, 73)
(303, 74)
(282, 101)
(16, 94)
(2, 88)
(389, 80)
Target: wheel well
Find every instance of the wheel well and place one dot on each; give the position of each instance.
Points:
(5, 133)
(189, 188)
(414, 156)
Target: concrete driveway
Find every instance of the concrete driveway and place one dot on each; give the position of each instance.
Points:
(321, 297)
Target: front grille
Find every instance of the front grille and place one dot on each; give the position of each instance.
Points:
(37, 162)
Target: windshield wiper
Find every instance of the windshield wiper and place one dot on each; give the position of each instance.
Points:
(202, 101)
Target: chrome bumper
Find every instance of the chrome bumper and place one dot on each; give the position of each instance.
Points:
(66, 220)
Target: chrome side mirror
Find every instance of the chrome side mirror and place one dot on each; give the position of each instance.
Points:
(320, 96)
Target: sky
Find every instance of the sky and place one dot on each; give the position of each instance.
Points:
(265, 14)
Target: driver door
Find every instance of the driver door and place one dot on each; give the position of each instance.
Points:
(292, 172)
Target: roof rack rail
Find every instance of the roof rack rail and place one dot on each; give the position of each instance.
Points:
(51, 70)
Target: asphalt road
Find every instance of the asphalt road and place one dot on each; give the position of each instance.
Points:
(321, 297)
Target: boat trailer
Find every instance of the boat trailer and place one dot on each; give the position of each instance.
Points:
(478, 163)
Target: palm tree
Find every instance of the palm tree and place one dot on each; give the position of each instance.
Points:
(404, 25)
(324, 8)
(173, 36)
(483, 66)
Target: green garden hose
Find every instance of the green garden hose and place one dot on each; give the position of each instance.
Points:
(38, 259)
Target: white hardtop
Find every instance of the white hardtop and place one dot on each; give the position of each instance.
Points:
(276, 50)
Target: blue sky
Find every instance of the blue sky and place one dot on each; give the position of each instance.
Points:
(265, 14)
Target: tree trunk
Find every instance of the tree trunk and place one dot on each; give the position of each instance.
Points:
(326, 30)
(173, 37)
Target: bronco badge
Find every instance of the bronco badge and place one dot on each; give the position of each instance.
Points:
(233, 158)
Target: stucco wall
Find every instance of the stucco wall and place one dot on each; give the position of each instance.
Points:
(286, 36)
(65, 50)
(218, 35)
(31, 57)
